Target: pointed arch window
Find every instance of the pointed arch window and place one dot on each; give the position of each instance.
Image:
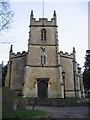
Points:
(43, 35)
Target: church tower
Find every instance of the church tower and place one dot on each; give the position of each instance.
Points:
(42, 75)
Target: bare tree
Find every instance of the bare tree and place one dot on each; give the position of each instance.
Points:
(6, 15)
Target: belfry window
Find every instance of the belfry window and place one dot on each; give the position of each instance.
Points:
(43, 35)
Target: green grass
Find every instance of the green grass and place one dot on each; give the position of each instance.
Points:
(74, 98)
(24, 114)
(18, 98)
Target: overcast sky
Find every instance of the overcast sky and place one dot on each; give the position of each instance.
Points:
(72, 21)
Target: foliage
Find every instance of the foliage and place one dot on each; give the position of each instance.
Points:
(86, 73)
(16, 98)
(6, 15)
(24, 114)
(4, 72)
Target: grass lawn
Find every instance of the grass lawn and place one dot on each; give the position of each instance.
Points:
(24, 114)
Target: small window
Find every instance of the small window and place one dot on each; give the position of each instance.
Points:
(41, 60)
(43, 35)
(44, 59)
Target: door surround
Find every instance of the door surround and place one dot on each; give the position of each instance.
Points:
(42, 87)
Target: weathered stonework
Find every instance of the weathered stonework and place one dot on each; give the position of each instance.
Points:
(67, 66)
(15, 75)
(43, 72)
(38, 73)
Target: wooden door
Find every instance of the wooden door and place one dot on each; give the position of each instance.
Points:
(42, 89)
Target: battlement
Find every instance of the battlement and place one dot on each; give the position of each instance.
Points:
(66, 54)
(18, 54)
(42, 21)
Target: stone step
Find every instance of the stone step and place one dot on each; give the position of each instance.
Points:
(48, 102)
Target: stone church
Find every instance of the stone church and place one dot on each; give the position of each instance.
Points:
(43, 71)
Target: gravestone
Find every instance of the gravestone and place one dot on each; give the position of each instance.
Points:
(7, 100)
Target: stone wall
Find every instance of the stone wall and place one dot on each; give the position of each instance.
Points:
(66, 62)
(32, 73)
(79, 83)
(36, 35)
(18, 63)
(34, 56)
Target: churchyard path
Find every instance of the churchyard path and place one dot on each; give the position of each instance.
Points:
(64, 112)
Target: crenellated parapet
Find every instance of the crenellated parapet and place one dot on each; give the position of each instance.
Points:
(18, 54)
(42, 21)
(66, 54)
